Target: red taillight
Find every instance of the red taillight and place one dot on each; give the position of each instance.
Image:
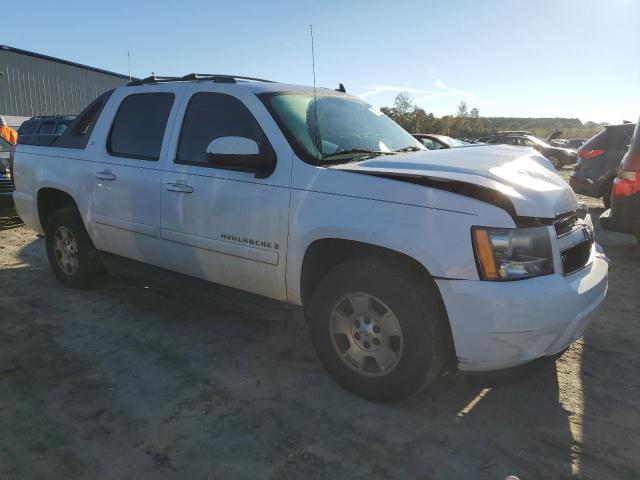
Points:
(627, 183)
(589, 154)
(13, 151)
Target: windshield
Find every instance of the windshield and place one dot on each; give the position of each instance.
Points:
(337, 128)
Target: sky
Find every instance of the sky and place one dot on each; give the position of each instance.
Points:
(542, 58)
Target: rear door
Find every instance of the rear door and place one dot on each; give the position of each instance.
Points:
(128, 178)
(226, 225)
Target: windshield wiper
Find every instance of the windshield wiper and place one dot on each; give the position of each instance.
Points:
(367, 153)
(409, 149)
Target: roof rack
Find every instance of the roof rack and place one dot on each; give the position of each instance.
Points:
(44, 117)
(195, 77)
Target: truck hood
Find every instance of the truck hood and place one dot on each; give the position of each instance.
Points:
(523, 177)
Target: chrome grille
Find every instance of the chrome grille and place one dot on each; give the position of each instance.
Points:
(565, 223)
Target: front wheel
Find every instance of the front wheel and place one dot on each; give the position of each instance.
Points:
(379, 329)
(69, 248)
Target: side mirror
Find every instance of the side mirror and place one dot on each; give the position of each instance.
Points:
(240, 153)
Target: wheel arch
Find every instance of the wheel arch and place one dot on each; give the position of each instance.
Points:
(51, 199)
(324, 254)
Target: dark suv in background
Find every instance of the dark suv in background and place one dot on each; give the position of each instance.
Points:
(598, 161)
(6, 186)
(624, 214)
(558, 156)
(45, 125)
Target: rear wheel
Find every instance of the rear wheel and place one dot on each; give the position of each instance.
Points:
(379, 329)
(69, 248)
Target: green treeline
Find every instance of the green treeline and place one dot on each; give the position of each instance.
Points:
(467, 123)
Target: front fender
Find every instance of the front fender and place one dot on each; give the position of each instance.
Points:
(439, 240)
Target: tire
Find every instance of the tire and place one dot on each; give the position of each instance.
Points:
(383, 285)
(69, 248)
(606, 194)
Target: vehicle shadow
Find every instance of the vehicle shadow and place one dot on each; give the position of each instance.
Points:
(165, 353)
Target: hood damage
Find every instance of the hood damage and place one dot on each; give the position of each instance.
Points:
(522, 183)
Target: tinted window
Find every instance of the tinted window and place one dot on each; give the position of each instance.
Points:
(61, 127)
(139, 126)
(46, 128)
(430, 144)
(79, 131)
(210, 116)
(27, 128)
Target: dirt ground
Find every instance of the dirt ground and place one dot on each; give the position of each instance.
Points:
(122, 381)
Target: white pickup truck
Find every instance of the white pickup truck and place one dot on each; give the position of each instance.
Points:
(405, 260)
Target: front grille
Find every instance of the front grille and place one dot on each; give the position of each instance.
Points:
(576, 257)
(5, 185)
(565, 224)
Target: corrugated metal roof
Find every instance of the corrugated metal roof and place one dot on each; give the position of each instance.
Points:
(33, 84)
(65, 62)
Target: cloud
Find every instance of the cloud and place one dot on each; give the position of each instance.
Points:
(421, 95)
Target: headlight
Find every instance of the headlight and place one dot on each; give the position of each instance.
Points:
(512, 253)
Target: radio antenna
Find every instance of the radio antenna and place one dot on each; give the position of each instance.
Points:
(129, 59)
(315, 97)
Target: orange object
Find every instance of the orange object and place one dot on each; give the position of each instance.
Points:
(9, 134)
(485, 254)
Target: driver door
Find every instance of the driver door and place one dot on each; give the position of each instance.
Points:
(224, 224)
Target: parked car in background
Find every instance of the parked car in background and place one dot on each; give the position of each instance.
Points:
(559, 157)
(624, 214)
(436, 142)
(405, 261)
(46, 125)
(598, 162)
(6, 186)
(575, 143)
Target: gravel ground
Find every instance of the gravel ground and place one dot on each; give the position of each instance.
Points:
(123, 381)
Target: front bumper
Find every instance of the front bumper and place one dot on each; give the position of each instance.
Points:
(498, 325)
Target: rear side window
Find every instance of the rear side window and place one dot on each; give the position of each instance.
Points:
(46, 128)
(79, 131)
(61, 127)
(139, 126)
(27, 128)
(210, 116)
(430, 144)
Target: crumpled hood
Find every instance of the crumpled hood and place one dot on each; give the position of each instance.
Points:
(524, 176)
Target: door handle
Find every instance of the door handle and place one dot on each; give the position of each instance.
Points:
(179, 187)
(105, 175)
